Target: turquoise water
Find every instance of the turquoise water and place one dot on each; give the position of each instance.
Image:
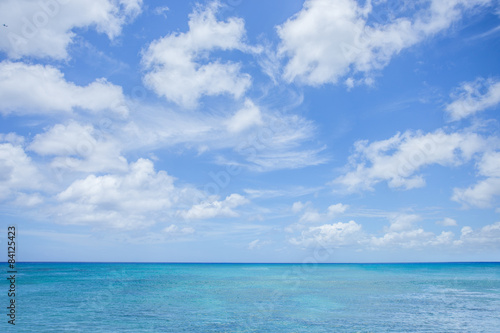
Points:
(77, 297)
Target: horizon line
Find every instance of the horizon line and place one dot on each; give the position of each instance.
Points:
(254, 263)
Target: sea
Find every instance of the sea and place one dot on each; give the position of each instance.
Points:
(150, 297)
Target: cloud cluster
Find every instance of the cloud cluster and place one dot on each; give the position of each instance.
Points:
(138, 198)
(398, 159)
(212, 207)
(415, 238)
(176, 64)
(401, 233)
(125, 196)
(311, 215)
(330, 235)
(38, 89)
(484, 237)
(77, 147)
(45, 28)
(328, 40)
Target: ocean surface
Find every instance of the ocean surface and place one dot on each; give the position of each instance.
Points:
(101, 297)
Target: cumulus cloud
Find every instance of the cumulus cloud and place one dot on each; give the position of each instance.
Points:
(398, 159)
(16, 140)
(212, 207)
(328, 40)
(45, 28)
(484, 237)
(18, 173)
(135, 199)
(403, 233)
(312, 216)
(473, 97)
(245, 118)
(39, 89)
(80, 148)
(400, 222)
(330, 235)
(447, 222)
(400, 233)
(480, 194)
(297, 206)
(483, 192)
(416, 238)
(174, 63)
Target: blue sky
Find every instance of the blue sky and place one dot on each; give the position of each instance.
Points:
(249, 131)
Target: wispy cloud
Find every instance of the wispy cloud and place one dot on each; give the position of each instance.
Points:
(473, 97)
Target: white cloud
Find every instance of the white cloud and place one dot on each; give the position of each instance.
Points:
(175, 230)
(401, 233)
(138, 198)
(483, 192)
(396, 160)
(400, 222)
(473, 97)
(174, 65)
(281, 141)
(161, 10)
(39, 89)
(330, 235)
(245, 118)
(312, 215)
(447, 222)
(289, 191)
(13, 138)
(485, 237)
(45, 28)
(489, 165)
(276, 145)
(480, 194)
(328, 40)
(336, 209)
(298, 206)
(257, 244)
(17, 172)
(79, 148)
(416, 238)
(28, 200)
(289, 159)
(211, 208)
(253, 244)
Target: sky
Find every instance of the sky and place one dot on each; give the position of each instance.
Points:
(250, 131)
